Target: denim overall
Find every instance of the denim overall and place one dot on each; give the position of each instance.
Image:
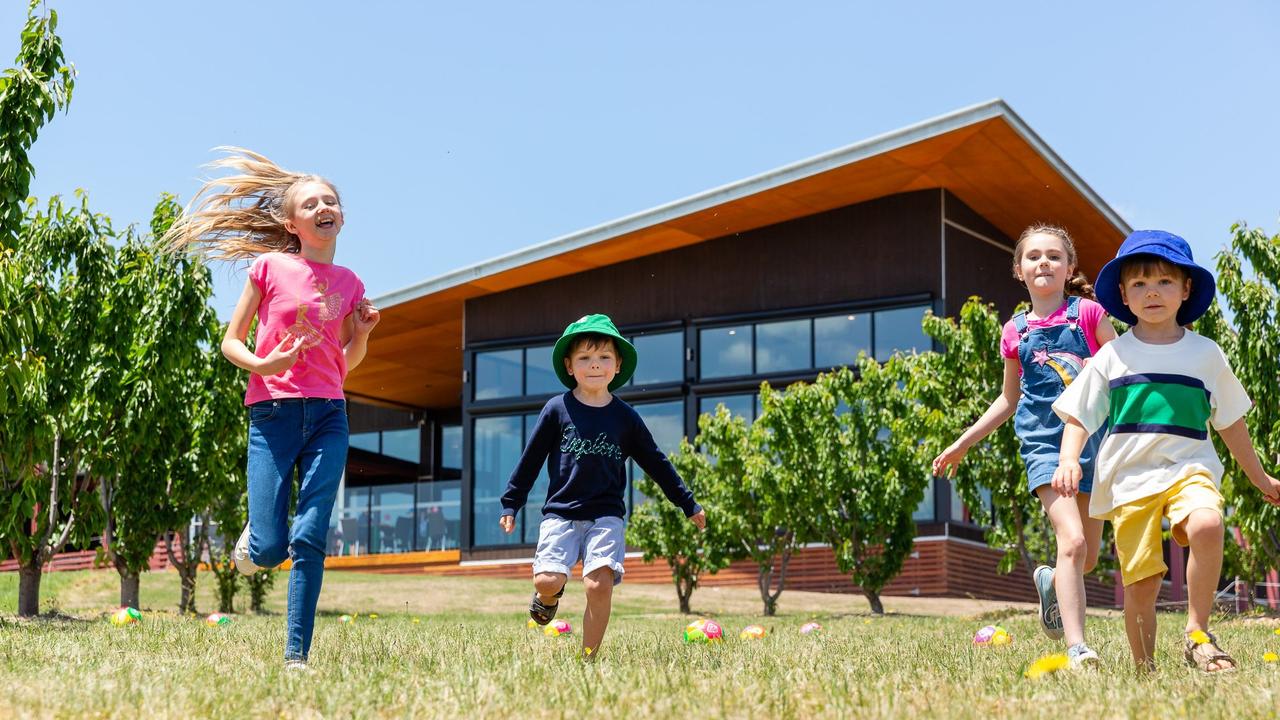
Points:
(1051, 358)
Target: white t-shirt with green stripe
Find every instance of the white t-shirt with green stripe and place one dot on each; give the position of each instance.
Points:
(1160, 401)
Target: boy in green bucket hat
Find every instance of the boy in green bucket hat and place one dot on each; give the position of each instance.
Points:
(584, 437)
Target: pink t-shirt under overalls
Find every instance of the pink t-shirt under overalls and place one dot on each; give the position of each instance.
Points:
(310, 300)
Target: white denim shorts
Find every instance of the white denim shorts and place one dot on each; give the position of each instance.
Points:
(597, 543)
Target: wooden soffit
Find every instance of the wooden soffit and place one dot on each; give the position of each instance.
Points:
(984, 155)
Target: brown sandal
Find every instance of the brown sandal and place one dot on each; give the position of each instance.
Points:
(1201, 650)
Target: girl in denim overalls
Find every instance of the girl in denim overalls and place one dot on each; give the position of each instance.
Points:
(1044, 350)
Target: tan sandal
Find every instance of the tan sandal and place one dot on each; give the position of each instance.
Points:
(1201, 650)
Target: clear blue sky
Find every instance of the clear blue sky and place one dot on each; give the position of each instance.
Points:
(462, 131)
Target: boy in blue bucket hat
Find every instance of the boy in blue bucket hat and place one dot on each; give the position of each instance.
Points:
(1161, 386)
(584, 437)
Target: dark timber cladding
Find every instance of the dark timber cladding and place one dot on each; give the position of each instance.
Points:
(878, 249)
(975, 265)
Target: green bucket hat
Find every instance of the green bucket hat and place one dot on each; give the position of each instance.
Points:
(602, 325)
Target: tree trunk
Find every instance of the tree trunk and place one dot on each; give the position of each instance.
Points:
(873, 597)
(684, 590)
(228, 584)
(29, 590)
(187, 576)
(129, 589)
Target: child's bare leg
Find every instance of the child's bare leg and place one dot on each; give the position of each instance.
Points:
(599, 587)
(1092, 534)
(1068, 576)
(1140, 620)
(1204, 532)
(547, 585)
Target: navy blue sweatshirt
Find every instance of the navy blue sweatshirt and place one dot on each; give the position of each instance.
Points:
(586, 449)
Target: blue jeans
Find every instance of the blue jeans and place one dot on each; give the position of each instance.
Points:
(311, 435)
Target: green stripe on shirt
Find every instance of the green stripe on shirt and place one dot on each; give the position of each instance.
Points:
(1159, 403)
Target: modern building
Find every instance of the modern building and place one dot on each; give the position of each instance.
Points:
(776, 277)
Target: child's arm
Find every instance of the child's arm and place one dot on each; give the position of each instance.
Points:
(657, 466)
(282, 356)
(1105, 332)
(1002, 408)
(1066, 478)
(1236, 437)
(358, 326)
(526, 471)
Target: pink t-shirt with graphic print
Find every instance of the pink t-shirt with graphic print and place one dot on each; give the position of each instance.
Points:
(310, 300)
(1091, 313)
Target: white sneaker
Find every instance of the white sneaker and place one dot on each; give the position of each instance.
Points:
(240, 555)
(1082, 657)
(297, 666)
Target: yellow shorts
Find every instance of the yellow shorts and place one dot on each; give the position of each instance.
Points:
(1137, 524)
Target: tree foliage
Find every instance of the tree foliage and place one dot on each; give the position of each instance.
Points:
(1251, 342)
(954, 388)
(661, 529)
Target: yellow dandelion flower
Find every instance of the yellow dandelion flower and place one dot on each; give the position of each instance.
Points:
(1270, 657)
(1198, 637)
(373, 616)
(1277, 631)
(1046, 665)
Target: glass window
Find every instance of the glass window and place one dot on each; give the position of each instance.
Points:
(498, 374)
(439, 515)
(724, 352)
(350, 524)
(391, 518)
(899, 331)
(665, 421)
(661, 358)
(451, 447)
(364, 441)
(782, 346)
(837, 339)
(539, 376)
(924, 511)
(497, 443)
(530, 516)
(403, 444)
(957, 504)
(742, 406)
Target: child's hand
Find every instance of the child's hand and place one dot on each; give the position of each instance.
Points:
(282, 356)
(1066, 479)
(948, 461)
(1270, 488)
(699, 519)
(365, 317)
(508, 523)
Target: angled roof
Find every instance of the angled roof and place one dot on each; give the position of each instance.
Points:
(984, 154)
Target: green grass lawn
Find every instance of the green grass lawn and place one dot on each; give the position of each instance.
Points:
(451, 647)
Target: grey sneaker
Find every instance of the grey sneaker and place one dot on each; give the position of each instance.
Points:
(1050, 615)
(1081, 657)
(240, 555)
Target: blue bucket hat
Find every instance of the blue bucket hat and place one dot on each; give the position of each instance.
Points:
(1167, 247)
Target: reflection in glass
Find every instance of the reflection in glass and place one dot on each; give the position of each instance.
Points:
(724, 352)
(498, 374)
(364, 441)
(899, 331)
(539, 376)
(661, 358)
(349, 526)
(451, 447)
(665, 421)
(924, 511)
(530, 516)
(439, 515)
(403, 444)
(742, 406)
(837, 339)
(391, 518)
(497, 445)
(782, 346)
